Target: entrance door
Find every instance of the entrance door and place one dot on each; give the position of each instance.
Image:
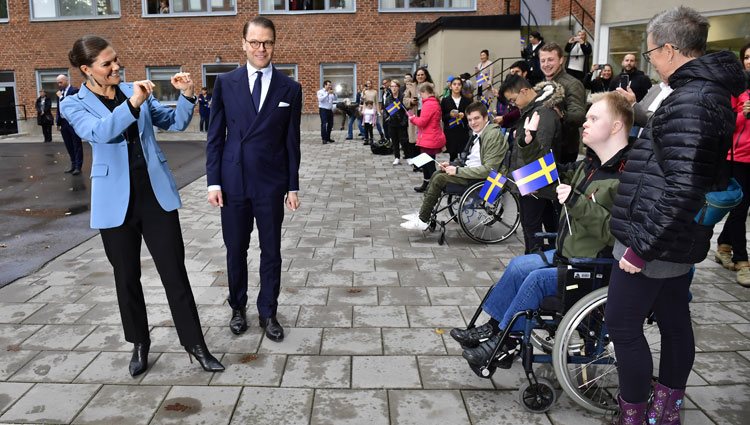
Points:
(8, 117)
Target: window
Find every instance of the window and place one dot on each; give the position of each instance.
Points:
(3, 10)
(395, 70)
(422, 5)
(306, 6)
(290, 70)
(164, 91)
(165, 8)
(343, 78)
(74, 9)
(47, 80)
(211, 71)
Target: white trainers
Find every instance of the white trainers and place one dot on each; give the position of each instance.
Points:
(396, 161)
(410, 217)
(415, 225)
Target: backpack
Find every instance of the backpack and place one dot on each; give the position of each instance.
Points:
(381, 147)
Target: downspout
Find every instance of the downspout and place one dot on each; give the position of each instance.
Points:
(597, 29)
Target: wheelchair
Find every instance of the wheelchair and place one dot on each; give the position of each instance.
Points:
(481, 221)
(568, 331)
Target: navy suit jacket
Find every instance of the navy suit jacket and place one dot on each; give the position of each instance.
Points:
(254, 154)
(60, 120)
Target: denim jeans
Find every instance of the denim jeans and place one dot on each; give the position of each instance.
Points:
(523, 286)
(353, 118)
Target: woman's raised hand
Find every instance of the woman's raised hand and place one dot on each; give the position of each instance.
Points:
(141, 91)
(182, 81)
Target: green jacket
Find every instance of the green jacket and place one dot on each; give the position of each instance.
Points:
(574, 110)
(589, 204)
(492, 150)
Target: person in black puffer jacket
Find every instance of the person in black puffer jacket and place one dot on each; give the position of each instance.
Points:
(669, 171)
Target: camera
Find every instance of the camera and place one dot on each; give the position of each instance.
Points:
(624, 81)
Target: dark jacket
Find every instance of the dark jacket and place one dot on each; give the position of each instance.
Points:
(62, 122)
(639, 83)
(675, 162)
(585, 49)
(596, 85)
(574, 111)
(399, 119)
(44, 115)
(531, 55)
(457, 136)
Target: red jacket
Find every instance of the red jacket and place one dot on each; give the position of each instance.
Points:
(429, 135)
(741, 136)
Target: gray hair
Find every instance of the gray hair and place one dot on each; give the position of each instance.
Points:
(427, 87)
(682, 27)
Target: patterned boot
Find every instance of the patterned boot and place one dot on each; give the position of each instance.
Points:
(630, 413)
(665, 406)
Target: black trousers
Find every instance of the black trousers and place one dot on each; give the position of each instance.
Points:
(326, 123)
(73, 145)
(733, 232)
(203, 125)
(533, 212)
(630, 299)
(47, 132)
(399, 139)
(145, 219)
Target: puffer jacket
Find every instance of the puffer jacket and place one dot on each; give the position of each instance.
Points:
(676, 161)
(430, 134)
(741, 136)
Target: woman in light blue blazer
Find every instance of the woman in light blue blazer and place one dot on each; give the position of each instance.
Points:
(133, 193)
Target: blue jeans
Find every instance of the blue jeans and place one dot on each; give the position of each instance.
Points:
(523, 286)
(353, 118)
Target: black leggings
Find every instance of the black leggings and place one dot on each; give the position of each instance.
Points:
(629, 300)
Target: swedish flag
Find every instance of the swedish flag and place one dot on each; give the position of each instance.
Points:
(536, 175)
(482, 78)
(455, 122)
(493, 186)
(393, 107)
(485, 100)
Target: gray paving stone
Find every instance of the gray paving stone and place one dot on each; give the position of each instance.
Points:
(12, 361)
(499, 407)
(317, 372)
(566, 412)
(102, 314)
(403, 296)
(99, 295)
(17, 312)
(197, 405)
(420, 407)
(19, 293)
(385, 372)
(55, 403)
(421, 278)
(722, 368)
(438, 264)
(57, 337)
(164, 339)
(310, 265)
(354, 264)
(376, 279)
(721, 337)
(395, 264)
(705, 293)
(713, 314)
(380, 316)
(61, 314)
(122, 404)
(10, 392)
(251, 369)
(112, 368)
(453, 296)
(62, 294)
(353, 296)
(435, 317)
(449, 372)
(470, 278)
(413, 252)
(350, 407)
(329, 279)
(373, 252)
(331, 253)
(54, 366)
(222, 340)
(303, 296)
(724, 404)
(741, 308)
(288, 406)
(351, 341)
(325, 316)
(735, 290)
(485, 264)
(11, 335)
(176, 369)
(296, 341)
(412, 342)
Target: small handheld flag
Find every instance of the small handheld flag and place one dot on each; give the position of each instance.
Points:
(481, 79)
(538, 174)
(393, 107)
(485, 100)
(455, 122)
(493, 186)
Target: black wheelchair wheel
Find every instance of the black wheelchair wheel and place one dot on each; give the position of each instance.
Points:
(451, 201)
(486, 222)
(537, 397)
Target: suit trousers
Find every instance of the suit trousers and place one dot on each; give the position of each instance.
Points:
(326, 123)
(237, 217)
(73, 145)
(145, 219)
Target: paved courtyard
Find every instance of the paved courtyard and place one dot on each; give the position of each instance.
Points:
(366, 305)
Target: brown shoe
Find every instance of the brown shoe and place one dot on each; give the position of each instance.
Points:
(743, 273)
(723, 256)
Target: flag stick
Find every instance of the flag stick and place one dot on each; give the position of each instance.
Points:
(565, 207)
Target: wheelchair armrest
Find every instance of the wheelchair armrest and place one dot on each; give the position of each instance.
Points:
(591, 261)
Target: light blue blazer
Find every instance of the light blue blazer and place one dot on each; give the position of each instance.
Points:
(110, 169)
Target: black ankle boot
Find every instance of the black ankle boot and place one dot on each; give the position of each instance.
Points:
(420, 189)
(207, 361)
(139, 361)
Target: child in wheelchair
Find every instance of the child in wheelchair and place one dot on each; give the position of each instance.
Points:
(589, 188)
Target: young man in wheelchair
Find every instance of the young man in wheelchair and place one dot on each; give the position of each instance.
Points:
(485, 151)
(588, 195)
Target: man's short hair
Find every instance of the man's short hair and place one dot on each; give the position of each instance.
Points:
(522, 65)
(260, 21)
(326, 82)
(514, 84)
(476, 107)
(618, 106)
(681, 26)
(553, 47)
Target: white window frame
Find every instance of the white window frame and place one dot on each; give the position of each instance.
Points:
(407, 9)
(353, 65)
(7, 10)
(145, 14)
(204, 73)
(51, 71)
(412, 64)
(306, 12)
(57, 16)
(292, 66)
(173, 69)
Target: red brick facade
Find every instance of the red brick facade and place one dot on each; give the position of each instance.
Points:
(562, 9)
(365, 37)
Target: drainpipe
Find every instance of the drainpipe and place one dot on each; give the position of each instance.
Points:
(597, 29)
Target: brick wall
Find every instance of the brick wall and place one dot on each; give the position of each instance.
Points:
(306, 40)
(562, 9)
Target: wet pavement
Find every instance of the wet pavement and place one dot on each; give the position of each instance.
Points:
(366, 305)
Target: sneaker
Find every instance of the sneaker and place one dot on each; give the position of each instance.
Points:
(396, 161)
(723, 256)
(469, 338)
(481, 354)
(743, 273)
(410, 217)
(415, 225)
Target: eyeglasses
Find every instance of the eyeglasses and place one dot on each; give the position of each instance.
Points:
(268, 44)
(647, 54)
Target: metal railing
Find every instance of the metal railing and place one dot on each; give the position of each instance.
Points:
(527, 19)
(585, 15)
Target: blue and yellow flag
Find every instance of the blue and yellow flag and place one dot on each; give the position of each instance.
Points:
(493, 186)
(455, 122)
(538, 174)
(393, 107)
(482, 78)
(485, 100)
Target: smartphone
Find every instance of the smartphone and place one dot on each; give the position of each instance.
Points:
(624, 81)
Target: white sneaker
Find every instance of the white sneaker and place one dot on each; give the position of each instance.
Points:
(415, 225)
(396, 161)
(410, 217)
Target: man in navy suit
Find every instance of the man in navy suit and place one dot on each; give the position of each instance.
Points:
(72, 141)
(252, 167)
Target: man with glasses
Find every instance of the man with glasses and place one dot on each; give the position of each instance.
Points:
(252, 168)
(632, 77)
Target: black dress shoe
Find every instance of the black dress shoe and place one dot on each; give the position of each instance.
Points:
(76, 172)
(139, 361)
(207, 361)
(238, 323)
(325, 142)
(71, 169)
(274, 331)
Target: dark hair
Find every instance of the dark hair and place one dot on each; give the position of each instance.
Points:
(326, 82)
(369, 102)
(553, 47)
(262, 22)
(536, 35)
(465, 76)
(486, 52)
(522, 65)
(513, 84)
(476, 107)
(85, 51)
(426, 74)
(743, 50)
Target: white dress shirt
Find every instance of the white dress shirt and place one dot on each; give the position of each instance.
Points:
(475, 159)
(326, 100)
